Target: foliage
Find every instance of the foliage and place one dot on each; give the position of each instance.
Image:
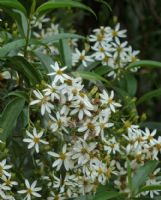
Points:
(69, 125)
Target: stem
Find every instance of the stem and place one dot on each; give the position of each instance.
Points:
(27, 37)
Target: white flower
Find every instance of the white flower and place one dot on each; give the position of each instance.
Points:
(8, 182)
(63, 158)
(55, 196)
(37, 22)
(31, 190)
(43, 101)
(120, 49)
(99, 171)
(3, 168)
(52, 91)
(82, 151)
(34, 139)
(80, 56)
(108, 99)
(112, 146)
(149, 136)
(153, 181)
(82, 105)
(102, 124)
(58, 73)
(102, 51)
(117, 33)
(60, 122)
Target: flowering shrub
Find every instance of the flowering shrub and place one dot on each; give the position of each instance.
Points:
(69, 126)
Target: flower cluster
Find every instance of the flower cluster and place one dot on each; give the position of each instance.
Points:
(84, 148)
(108, 48)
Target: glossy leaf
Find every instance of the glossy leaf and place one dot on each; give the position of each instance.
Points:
(102, 70)
(57, 37)
(149, 95)
(53, 4)
(90, 76)
(141, 175)
(104, 194)
(131, 84)
(14, 45)
(150, 188)
(20, 94)
(65, 52)
(9, 117)
(12, 4)
(27, 70)
(145, 63)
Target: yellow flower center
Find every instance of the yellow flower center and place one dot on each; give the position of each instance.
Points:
(59, 72)
(114, 33)
(62, 156)
(82, 57)
(29, 191)
(36, 140)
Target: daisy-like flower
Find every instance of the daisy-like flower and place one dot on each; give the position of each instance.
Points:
(117, 33)
(99, 171)
(81, 56)
(120, 49)
(112, 146)
(31, 190)
(63, 158)
(82, 151)
(37, 22)
(8, 182)
(102, 51)
(102, 125)
(56, 196)
(43, 101)
(132, 55)
(153, 181)
(58, 73)
(52, 91)
(100, 39)
(149, 136)
(4, 168)
(34, 139)
(60, 122)
(108, 100)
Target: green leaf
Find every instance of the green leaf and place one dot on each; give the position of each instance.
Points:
(131, 84)
(149, 95)
(104, 194)
(141, 175)
(12, 4)
(55, 38)
(19, 93)
(87, 197)
(102, 70)
(65, 52)
(45, 60)
(150, 188)
(90, 76)
(50, 5)
(27, 70)
(9, 117)
(14, 45)
(145, 63)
